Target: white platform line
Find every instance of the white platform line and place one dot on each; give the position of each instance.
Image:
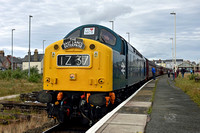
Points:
(96, 126)
(51, 128)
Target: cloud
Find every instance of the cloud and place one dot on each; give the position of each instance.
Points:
(96, 13)
(148, 21)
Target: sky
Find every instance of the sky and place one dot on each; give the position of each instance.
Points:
(148, 21)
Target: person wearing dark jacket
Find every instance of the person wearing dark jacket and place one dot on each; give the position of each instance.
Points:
(173, 72)
(168, 72)
(177, 72)
(182, 72)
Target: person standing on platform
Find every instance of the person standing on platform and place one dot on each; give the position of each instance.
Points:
(168, 72)
(177, 72)
(154, 73)
(182, 72)
(173, 72)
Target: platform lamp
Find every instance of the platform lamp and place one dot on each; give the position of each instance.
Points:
(172, 53)
(173, 13)
(29, 51)
(128, 37)
(43, 45)
(112, 25)
(12, 49)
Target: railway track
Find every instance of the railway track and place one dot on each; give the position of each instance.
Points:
(76, 126)
(73, 126)
(8, 105)
(29, 96)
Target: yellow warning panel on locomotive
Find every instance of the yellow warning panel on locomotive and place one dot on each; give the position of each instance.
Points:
(78, 65)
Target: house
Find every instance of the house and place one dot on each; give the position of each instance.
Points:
(187, 65)
(2, 59)
(36, 60)
(5, 61)
(197, 67)
(160, 62)
(168, 63)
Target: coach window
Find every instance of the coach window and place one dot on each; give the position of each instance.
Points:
(107, 37)
(74, 34)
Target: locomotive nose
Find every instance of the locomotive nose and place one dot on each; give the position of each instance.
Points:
(78, 64)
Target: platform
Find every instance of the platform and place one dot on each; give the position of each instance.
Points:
(132, 116)
(172, 111)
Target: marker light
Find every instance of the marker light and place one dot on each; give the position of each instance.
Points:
(92, 46)
(56, 47)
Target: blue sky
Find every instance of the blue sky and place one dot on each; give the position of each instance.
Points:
(148, 21)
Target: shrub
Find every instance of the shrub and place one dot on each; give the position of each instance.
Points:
(34, 70)
(193, 76)
(17, 74)
(6, 74)
(34, 75)
(1, 74)
(34, 78)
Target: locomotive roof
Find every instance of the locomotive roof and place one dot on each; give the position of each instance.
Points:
(92, 25)
(118, 37)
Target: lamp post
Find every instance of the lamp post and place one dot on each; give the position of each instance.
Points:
(172, 52)
(12, 49)
(173, 13)
(128, 37)
(43, 45)
(29, 51)
(112, 25)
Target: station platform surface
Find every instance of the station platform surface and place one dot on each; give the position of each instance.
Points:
(173, 111)
(132, 117)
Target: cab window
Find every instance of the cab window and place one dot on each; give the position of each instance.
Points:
(107, 37)
(74, 34)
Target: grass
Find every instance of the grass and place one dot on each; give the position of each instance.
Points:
(5, 117)
(190, 87)
(36, 121)
(17, 81)
(153, 96)
(18, 86)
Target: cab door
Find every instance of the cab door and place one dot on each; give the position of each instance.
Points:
(124, 51)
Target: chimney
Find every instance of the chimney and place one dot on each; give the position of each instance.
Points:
(35, 55)
(1, 53)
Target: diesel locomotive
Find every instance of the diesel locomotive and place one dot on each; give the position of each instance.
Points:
(89, 71)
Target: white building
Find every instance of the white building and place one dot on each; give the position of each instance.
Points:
(35, 61)
(170, 63)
